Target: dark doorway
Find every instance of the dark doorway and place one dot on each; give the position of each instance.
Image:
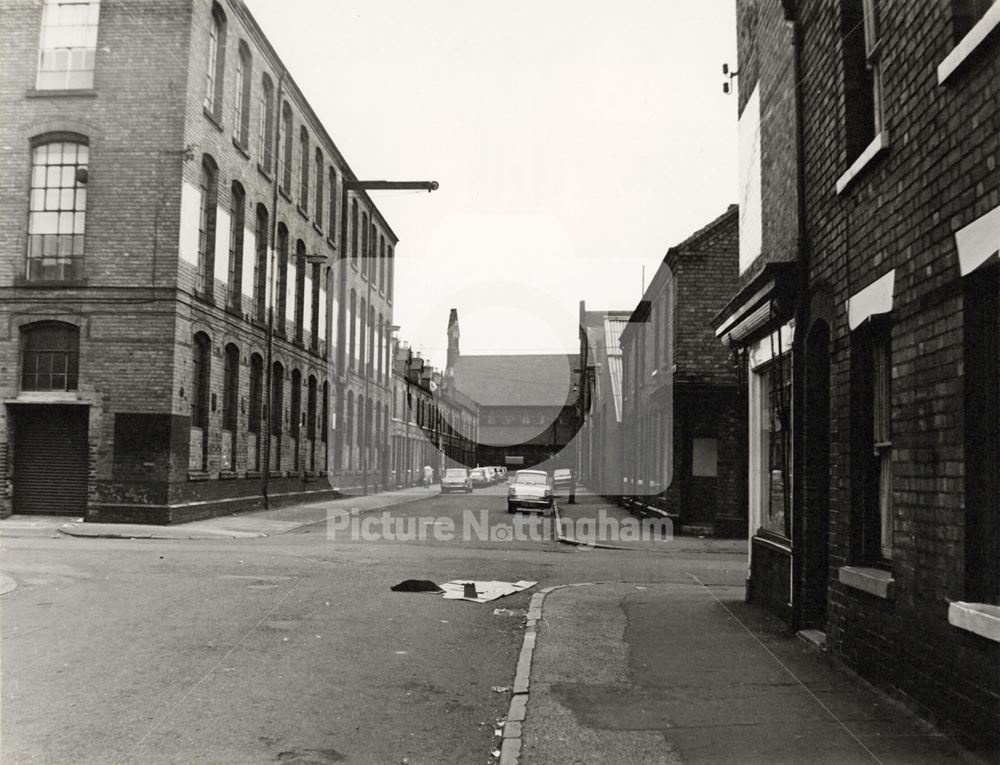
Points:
(816, 495)
(50, 459)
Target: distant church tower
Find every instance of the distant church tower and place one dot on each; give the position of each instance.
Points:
(453, 335)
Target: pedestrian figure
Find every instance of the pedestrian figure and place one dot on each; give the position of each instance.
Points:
(428, 476)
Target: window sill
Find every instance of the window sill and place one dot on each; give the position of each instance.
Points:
(265, 172)
(65, 93)
(212, 118)
(241, 147)
(979, 618)
(969, 44)
(227, 475)
(318, 229)
(254, 474)
(284, 193)
(333, 244)
(21, 281)
(879, 144)
(199, 475)
(302, 211)
(874, 581)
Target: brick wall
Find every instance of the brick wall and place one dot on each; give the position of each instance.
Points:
(938, 173)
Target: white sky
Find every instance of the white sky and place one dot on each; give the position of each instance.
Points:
(575, 141)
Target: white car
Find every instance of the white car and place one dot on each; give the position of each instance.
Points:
(530, 489)
(456, 479)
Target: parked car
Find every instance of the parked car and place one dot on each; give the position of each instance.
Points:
(491, 474)
(478, 477)
(530, 489)
(456, 479)
(564, 482)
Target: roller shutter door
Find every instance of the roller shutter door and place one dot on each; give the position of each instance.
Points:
(50, 460)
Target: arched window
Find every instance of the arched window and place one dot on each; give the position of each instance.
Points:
(362, 334)
(231, 389)
(364, 244)
(265, 135)
(378, 349)
(256, 393)
(353, 339)
(282, 286)
(311, 420)
(50, 356)
(237, 221)
(277, 398)
(261, 234)
(200, 379)
(57, 209)
(370, 363)
(254, 419)
(325, 423)
(67, 46)
(389, 274)
(201, 375)
(381, 264)
(360, 429)
(296, 419)
(215, 66)
(331, 218)
(304, 169)
(354, 232)
(349, 430)
(206, 227)
(314, 307)
(241, 112)
(318, 211)
(286, 147)
(300, 289)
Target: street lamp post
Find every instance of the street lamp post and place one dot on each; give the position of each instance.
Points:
(356, 185)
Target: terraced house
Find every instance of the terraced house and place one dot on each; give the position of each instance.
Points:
(867, 317)
(171, 217)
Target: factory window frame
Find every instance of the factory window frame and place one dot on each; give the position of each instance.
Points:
(215, 66)
(68, 45)
(241, 104)
(50, 356)
(57, 209)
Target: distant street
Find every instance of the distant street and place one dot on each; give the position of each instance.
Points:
(282, 649)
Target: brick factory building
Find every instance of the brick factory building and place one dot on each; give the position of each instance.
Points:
(867, 317)
(168, 197)
(683, 415)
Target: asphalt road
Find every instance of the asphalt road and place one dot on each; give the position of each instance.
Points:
(288, 649)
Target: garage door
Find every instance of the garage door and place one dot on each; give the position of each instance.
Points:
(50, 459)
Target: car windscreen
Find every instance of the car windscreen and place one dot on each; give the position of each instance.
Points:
(531, 478)
(454, 474)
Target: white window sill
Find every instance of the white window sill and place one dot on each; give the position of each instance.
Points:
(874, 581)
(980, 618)
(968, 44)
(876, 147)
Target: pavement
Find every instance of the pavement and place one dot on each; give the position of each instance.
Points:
(249, 525)
(689, 673)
